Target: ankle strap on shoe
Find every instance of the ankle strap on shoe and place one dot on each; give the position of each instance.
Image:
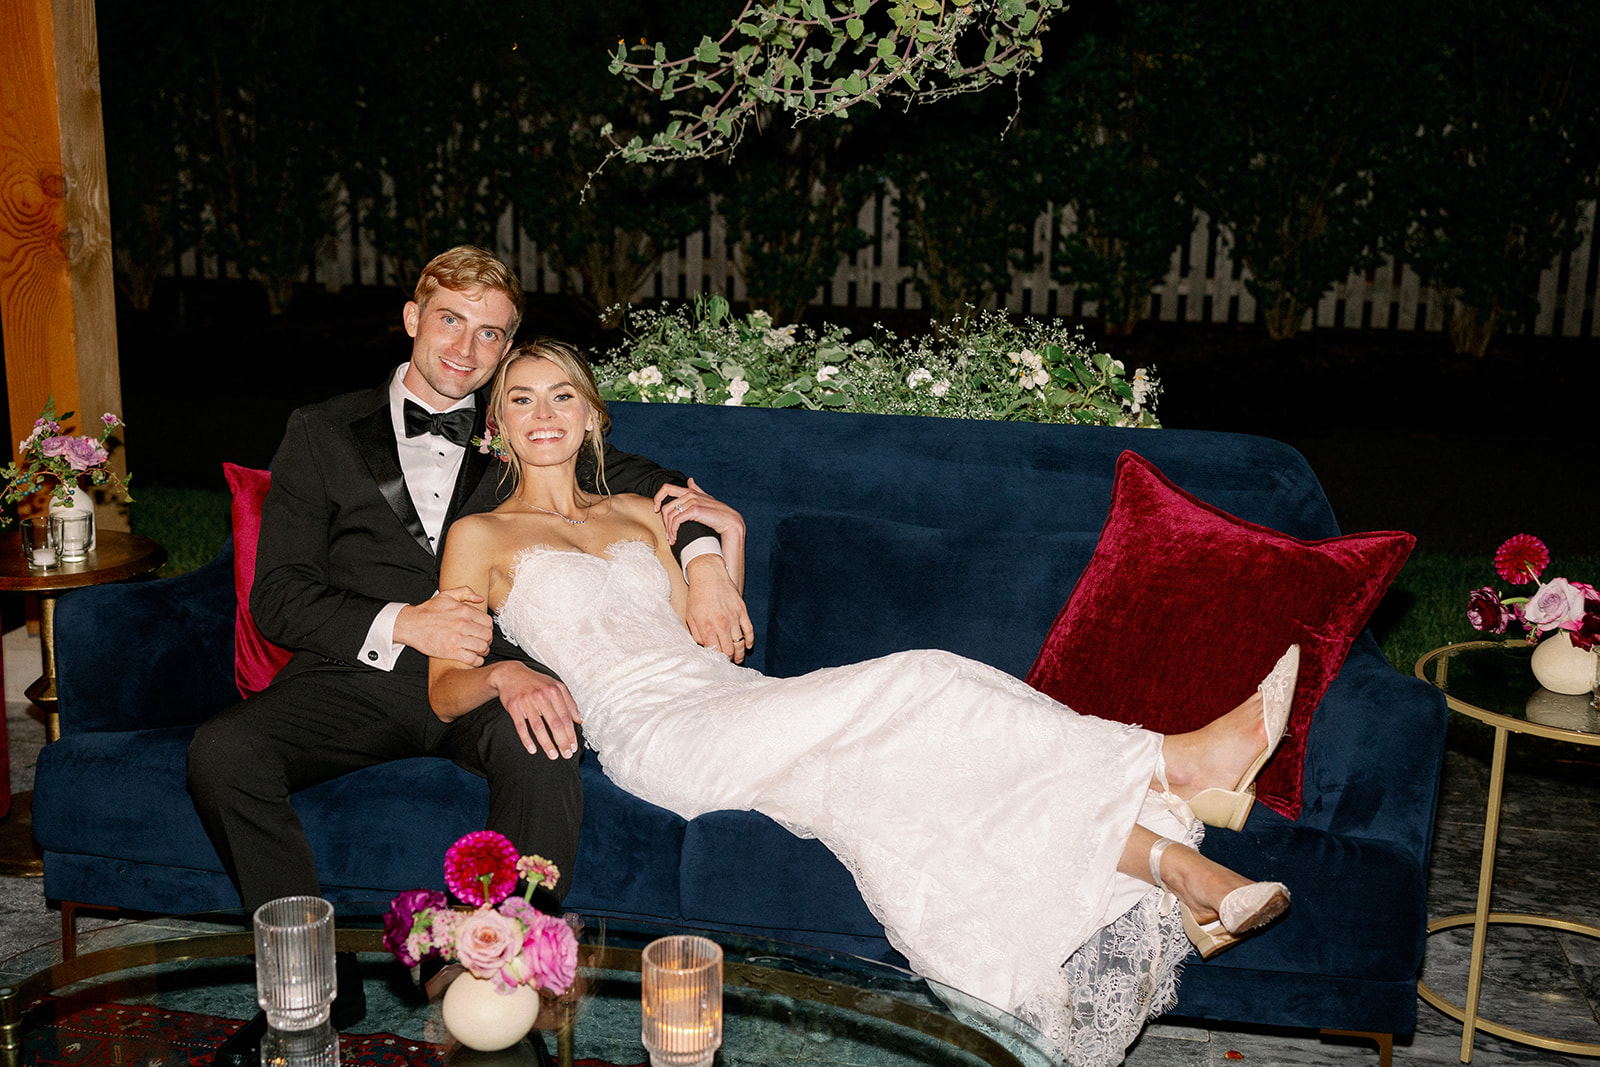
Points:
(1155, 860)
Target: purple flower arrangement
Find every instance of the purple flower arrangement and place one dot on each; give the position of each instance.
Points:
(504, 939)
(48, 454)
(1553, 605)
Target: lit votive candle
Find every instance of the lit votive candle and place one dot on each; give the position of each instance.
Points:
(44, 557)
(681, 990)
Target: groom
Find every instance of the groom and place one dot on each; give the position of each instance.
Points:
(364, 488)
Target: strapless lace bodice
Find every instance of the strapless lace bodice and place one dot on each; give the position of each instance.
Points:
(981, 820)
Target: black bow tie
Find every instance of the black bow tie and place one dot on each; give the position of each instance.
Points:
(454, 426)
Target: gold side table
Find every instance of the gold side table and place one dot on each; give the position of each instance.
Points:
(115, 557)
(1491, 681)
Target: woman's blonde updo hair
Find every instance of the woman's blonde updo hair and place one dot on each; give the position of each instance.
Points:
(576, 368)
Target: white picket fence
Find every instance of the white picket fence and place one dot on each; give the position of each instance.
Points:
(1203, 284)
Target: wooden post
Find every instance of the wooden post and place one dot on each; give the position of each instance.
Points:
(57, 296)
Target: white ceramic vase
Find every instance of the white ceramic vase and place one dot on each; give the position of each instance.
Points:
(1561, 668)
(481, 1017)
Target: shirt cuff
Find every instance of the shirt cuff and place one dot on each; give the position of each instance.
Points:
(700, 546)
(380, 650)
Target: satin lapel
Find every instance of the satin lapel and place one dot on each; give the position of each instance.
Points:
(473, 466)
(374, 436)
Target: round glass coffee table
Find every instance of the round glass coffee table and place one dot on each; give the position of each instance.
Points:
(169, 990)
(1491, 681)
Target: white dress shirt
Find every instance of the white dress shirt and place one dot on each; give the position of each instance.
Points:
(431, 464)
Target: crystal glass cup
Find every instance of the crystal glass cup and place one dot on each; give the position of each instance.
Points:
(72, 529)
(37, 544)
(681, 991)
(295, 982)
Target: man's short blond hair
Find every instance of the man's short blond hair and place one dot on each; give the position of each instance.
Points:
(470, 269)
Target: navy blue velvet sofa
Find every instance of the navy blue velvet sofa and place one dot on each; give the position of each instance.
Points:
(868, 534)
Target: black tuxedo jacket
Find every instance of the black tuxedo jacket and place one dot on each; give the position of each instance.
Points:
(340, 537)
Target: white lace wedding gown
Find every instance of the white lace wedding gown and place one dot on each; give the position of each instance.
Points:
(982, 821)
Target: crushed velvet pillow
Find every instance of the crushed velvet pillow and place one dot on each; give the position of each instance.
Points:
(1184, 608)
(255, 659)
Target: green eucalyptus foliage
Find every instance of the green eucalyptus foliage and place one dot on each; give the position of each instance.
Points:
(814, 58)
(1031, 370)
(1504, 158)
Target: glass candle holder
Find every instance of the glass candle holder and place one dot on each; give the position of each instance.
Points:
(681, 993)
(37, 543)
(295, 983)
(72, 530)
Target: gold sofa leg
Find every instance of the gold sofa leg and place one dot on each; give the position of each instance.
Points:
(1385, 1043)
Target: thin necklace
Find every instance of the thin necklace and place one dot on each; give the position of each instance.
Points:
(571, 522)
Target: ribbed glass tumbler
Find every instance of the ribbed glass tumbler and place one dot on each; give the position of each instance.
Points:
(295, 982)
(681, 990)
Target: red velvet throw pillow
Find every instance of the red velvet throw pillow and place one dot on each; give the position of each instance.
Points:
(1184, 608)
(255, 659)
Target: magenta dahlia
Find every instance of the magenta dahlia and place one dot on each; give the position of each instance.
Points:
(481, 868)
(1521, 559)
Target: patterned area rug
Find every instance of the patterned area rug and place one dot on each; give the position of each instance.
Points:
(136, 1036)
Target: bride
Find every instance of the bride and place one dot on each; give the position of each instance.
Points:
(1013, 849)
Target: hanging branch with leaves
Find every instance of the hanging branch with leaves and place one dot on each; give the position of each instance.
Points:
(817, 58)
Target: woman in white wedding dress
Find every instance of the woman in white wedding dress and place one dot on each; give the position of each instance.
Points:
(1012, 849)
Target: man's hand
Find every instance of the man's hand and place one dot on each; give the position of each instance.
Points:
(716, 613)
(447, 626)
(540, 706)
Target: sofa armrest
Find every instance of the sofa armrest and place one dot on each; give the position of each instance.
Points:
(1375, 753)
(136, 655)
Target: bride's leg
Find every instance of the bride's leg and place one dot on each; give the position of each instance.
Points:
(1198, 882)
(1214, 767)
(1217, 754)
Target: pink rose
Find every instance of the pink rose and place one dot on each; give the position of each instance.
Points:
(486, 941)
(84, 453)
(549, 956)
(81, 453)
(1552, 604)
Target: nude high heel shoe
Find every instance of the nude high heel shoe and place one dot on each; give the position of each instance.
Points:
(1231, 807)
(1243, 911)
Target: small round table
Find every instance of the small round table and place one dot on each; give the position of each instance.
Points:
(116, 556)
(1491, 681)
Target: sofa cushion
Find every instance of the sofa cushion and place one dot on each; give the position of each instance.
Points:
(256, 661)
(1184, 608)
(628, 851)
(847, 588)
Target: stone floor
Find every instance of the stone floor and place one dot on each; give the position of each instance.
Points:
(1540, 980)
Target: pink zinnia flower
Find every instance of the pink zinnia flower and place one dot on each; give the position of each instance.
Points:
(1521, 559)
(537, 871)
(481, 868)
